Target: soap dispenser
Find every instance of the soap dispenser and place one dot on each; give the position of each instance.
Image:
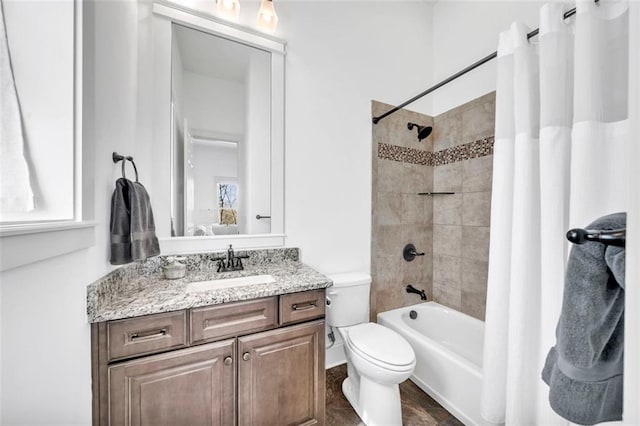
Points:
(174, 269)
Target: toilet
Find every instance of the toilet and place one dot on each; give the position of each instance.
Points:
(378, 358)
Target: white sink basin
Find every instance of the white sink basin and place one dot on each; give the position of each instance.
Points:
(229, 283)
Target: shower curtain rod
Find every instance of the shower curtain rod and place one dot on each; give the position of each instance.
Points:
(475, 65)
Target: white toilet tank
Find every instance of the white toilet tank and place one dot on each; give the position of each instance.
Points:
(348, 299)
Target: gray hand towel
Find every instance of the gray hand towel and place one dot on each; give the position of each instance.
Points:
(133, 235)
(584, 370)
(120, 224)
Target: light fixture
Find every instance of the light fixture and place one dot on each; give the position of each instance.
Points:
(267, 18)
(229, 9)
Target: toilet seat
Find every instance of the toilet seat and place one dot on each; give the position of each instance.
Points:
(381, 346)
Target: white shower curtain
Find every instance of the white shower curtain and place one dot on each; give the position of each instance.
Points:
(561, 125)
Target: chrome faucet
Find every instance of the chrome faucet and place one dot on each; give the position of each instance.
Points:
(231, 262)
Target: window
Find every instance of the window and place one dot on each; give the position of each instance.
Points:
(40, 185)
(227, 196)
(38, 177)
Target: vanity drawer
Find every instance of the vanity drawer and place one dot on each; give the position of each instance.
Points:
(144, 335)
(233, 319)
(303, 306)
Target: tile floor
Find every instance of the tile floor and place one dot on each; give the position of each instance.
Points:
(417, 407)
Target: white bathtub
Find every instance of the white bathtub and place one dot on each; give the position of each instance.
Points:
(448, 346)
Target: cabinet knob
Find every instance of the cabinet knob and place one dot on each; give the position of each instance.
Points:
(246, 356)
(228, 361)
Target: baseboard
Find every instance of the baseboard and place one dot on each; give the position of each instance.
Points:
(334, 356)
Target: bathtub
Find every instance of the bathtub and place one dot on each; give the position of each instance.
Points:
(448, 346)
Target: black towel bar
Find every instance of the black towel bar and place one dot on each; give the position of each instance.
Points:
(117, 157)
(610, 237)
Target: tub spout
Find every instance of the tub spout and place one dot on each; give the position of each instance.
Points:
(412, 289)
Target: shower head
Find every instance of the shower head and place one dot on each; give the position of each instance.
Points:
(423, 131)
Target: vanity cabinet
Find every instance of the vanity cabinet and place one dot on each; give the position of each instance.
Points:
(252, 362)
(187, 387)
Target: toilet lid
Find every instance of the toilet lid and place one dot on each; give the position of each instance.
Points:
(381, 344)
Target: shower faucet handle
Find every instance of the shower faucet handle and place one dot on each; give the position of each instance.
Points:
(409, 252)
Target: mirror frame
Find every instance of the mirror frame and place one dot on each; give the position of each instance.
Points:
(164, 14)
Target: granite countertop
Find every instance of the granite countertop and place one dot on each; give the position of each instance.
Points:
(141, 289)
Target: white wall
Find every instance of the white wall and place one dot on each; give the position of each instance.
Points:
(210, 162)
(46, 372)
(256, 147)
(213, 104)
(466, 31)
(341, 55)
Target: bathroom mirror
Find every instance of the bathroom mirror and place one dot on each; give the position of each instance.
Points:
(220, 134)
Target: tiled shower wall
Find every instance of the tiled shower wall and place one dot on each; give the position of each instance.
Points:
(453, 230)
(399, 214)
(463, 138)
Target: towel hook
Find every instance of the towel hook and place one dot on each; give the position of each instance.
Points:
(117, 157)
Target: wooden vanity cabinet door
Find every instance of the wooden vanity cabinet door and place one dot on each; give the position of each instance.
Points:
(281, 377)
(192, 387)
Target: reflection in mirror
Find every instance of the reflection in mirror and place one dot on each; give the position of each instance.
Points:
(220, 135)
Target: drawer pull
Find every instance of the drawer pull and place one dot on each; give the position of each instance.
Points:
(160, 333)
(246, 356)
(304, 307)
(228, 361)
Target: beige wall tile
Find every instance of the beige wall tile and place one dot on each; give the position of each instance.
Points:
(378, 108)
(390, 208)
(428, 181)
(447, 296)
(478, 122)
(428, 209)
(388, 242)
(387, 271)
(474, 287)
(414, 209)
(448, 177)
(447, 132)
(447, 240)
(476, 208)
(447, 209)
(477, 174)
(475, 243)
(415, 179)
(474, 275)
(421, 236)
(414, 271)
(390, 176)
(474, 304)
(447, 271)
(388, 299)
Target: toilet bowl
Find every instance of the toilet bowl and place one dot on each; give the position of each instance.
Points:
(378, 358)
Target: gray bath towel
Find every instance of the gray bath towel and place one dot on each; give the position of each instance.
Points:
(584, 370)
(133, 232)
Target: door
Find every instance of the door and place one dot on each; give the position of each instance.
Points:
(192, 387)
(189, 184)
(281, 376)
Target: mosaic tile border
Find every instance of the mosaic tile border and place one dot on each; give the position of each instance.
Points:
(404, 155)
(467, 151)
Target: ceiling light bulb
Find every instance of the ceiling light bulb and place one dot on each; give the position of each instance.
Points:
(267, 18)
(229, 9)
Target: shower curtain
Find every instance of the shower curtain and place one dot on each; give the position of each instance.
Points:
(559, 162)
